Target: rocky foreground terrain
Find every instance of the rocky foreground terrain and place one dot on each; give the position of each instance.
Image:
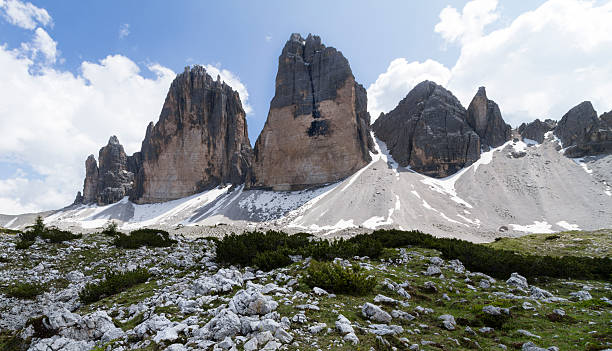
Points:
(191, 302)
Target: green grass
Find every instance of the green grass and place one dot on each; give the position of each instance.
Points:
(573, 333)
(572, 243)
(9, 231)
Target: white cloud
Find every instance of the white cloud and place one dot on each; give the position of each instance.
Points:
(234, 81)
(539, 65)
(468, 24)
(53, 118)
(124, 30)
(24, 15)
(268, 38)
(543, 63)
(41, 43)
(401, 76)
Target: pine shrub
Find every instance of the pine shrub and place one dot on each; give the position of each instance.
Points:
(144, 237)
(269, 260)
(111, 229)
(338, 279)
(25, 291)
(113, 283)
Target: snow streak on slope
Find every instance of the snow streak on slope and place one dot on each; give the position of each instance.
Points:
(526, 192)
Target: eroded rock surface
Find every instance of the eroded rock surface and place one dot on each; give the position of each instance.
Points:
(484, 116)
(199, 142)
(535, 130)
(582, 133)
(428, 131)
(111, 180)
(317, 129)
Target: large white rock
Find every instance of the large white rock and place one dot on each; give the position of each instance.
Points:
(224, 324)
(518, 281)
(251, 302)
(375, 313)
(222, 281)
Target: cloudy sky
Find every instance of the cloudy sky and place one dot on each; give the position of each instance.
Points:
(72, 73)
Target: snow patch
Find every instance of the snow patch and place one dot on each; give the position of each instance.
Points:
(536, 227)
(580, 162)
(568, 226)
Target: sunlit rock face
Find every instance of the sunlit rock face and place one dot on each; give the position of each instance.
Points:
(317, 129)
(199, 142)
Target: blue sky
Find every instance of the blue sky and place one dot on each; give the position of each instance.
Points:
(246, 37)
(72, 73)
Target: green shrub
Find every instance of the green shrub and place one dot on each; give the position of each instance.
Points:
(113, 283)
(111, 229)
(55, 235)
(552, 237)
(28, 235)
(23, 244)
(337, 279)
(269, 260)
(274, 248)
(144, 237)
(242, 249)
(25, 291)
(39, 230)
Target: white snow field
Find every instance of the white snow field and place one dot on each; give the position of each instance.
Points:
(499, 195)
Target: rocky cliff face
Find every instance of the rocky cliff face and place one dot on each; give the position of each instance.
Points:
(111, 180)
(199, 142)
(536, 129)
(582, 133)
(484, 116)
(428, 131)
(317, 129)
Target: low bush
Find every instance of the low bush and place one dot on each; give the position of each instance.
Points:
(23, 244)
(25, 291)
(55, 235)
(338, 279)
(500, 263)
(268, 260)
(144, 237)
(272, 249)
(242, 249)
(552, 237)
(39, 230)
(111, 229)
(113, 283)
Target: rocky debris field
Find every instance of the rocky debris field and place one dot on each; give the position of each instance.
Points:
(190, 302)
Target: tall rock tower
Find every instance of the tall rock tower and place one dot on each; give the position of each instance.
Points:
(317, 129)
(484, 116)
(199, 142)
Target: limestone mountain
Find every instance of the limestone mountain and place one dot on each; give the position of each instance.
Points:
(582, 133)
(111, 179)
(199, 142)
(535, 130)
(317, 130)
(484, 116)
(428, 132)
